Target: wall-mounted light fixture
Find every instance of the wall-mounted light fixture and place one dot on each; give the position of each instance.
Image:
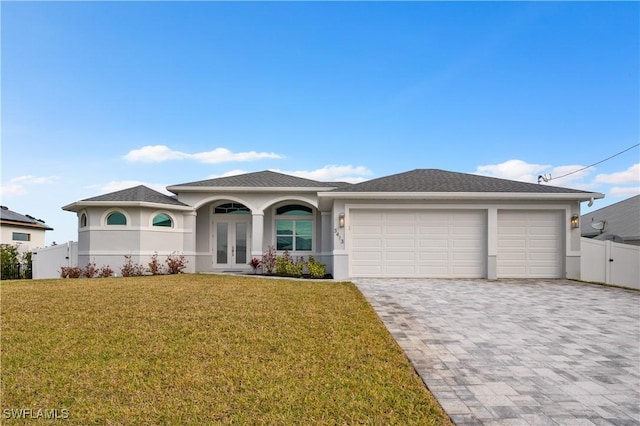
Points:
(341, 220)
(575, 221)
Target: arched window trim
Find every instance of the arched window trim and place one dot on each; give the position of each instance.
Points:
(172, 220)
(110, 212)
(84, 220)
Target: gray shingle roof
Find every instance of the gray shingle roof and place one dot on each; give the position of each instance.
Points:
(434, 180)
(139, 193)
(622, 219)
(264, 179)
(7, 215)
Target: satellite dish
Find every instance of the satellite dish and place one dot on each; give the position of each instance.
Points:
(599, 225)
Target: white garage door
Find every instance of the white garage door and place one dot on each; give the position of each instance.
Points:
(530, 244)
(422, 243)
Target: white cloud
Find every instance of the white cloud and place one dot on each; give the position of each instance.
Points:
(235, 172)
(624, 192)
(631, 175)
(160, 153)
(17, 184)
(333, 173)
(12, 189)
(515, 170)
(30, 179)
(525, 172)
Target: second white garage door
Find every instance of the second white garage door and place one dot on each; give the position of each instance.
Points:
(421, 243)
(530, 244)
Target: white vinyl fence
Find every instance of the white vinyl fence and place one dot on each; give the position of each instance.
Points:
(48, 261)
(610, 263)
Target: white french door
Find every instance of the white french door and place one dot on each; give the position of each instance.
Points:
(231, 243)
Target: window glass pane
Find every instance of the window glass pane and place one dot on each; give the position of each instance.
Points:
(221, 243)
(303, 243)
(241, 243)
(284, 243)
(303, 227)
(162, 220)
(116, 218)
(21, 236)
(83, 220)
(284, 227)
(232, 208)
(293, 210)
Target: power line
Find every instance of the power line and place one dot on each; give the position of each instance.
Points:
(547, 179)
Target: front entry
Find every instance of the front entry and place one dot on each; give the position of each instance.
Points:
(231, 242)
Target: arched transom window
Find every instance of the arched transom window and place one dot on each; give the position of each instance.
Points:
(116, 218)
(294, 228)
(162, 219)
(232, 208)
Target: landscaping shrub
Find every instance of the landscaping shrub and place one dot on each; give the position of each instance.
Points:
(130, 269)
(105, 271)
(90, 270)
(71, 272)
(269, 260)
(155, 267)
(176, 263)
(285, 265)
(316, 269)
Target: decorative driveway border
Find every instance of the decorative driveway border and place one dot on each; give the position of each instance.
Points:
(518, 352)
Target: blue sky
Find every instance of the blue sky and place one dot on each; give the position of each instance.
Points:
(100, 96)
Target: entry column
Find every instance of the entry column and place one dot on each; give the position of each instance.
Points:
(257, 231)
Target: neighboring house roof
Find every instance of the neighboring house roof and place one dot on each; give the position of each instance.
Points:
(621, 219)
(9, 217)
(434, 180)
(264, 179)
(138, 195)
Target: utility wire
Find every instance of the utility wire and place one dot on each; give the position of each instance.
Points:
(547, 179)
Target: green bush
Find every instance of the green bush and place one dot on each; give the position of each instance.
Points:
(316, 269)
(287, 267)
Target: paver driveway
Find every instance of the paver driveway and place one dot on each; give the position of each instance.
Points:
(518, 351)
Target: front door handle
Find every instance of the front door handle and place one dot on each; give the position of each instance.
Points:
(233, 251)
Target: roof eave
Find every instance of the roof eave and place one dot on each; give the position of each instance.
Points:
(26, 225)
(79, 205)
(324, 199)
(581, 196)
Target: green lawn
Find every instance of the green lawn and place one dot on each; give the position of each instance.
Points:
(203, 349)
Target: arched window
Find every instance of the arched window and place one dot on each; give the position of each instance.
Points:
(83, 220)
(232, 208)
(162, 219)
(116, 218)
(294, 228)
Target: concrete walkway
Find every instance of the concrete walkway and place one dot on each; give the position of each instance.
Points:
(518, 352)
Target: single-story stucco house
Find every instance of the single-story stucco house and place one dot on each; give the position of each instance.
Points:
(420, 223)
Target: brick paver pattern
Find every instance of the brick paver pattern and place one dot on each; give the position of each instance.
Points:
(518, 352)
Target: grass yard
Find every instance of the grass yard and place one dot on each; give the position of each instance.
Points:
(202, 349)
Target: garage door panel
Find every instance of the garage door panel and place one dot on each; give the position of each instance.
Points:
(367, 243)
(422, 243)
(433, 243)
(530, 244)
(431, 256)
(400, 256)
